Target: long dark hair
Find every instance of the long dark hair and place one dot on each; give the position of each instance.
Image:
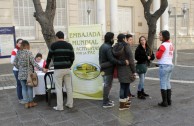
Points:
(146, 44)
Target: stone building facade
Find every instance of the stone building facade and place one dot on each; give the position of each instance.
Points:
(118, 16)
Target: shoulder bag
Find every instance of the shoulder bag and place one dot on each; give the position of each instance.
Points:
(32, 79)
(141, 68)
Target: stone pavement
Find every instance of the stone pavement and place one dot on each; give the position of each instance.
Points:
(90, 112)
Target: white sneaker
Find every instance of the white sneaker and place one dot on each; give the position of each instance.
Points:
(111, 102)
(55, 108)
(22, 102)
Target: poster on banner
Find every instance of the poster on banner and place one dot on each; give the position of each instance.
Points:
(7, 41)
(86, 78)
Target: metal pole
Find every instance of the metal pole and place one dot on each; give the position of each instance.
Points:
(175, 40)
(88, 18)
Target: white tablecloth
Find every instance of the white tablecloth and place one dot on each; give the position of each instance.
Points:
(40, 89)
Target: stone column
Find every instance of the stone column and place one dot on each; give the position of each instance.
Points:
(165, 17)
(113, 16)
(156, 6)
(101, 14)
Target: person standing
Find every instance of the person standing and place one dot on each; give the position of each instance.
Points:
(126, 74)
(62, 55)
(24, 62)
(165, 57)
(143, 55)
(107, 62)
(130, 41)
(15, 70)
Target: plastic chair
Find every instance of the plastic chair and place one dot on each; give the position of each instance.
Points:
(49, 85)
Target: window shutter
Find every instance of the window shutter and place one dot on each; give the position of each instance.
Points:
(23, 19)
(125, 19)
(83, 15)
(60, 20)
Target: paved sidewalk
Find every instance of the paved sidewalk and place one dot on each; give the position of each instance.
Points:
(90, 112)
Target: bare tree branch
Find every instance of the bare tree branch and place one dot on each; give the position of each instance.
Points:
(143, 2)
(152, 18)
(46, 19)
(51, 6)
(149, 2)
(38, 9)
(38, 6)
(146, 6)
(160, 11)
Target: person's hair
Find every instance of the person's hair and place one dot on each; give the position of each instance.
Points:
(108, 37)
(18, 40)
(144, 38)
(25, 45)
(129, 36)
(38, 55)
(120, 37)
(60, 35)
(147, 46)
(165, 35)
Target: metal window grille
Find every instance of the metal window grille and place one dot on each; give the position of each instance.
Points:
(23, 19)
(83, 6)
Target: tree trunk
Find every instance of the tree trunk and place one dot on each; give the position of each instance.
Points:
(151, 33)
(46, 19)
(152, 18)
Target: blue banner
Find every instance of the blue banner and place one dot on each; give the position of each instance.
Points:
(6, 30)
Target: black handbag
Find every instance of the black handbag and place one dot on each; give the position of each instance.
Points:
(141, 68)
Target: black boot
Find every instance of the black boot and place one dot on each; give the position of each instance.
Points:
(143, 93)
(169, 96)
(140, 96)
(164, 102)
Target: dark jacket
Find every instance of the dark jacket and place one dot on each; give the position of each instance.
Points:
(62, 54)
(141, 55)
(107, 60)
(125, 73)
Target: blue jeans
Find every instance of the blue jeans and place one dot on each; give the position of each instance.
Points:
(19, 86)
(107, 87)
(165, 72)
(124, 90)
(141, 81)
(27, 92)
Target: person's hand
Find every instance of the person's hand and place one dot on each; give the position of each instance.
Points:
(149, 57)
(45, 70)
(36, 69)
(127, 62)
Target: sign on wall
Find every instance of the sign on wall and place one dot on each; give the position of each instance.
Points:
(86, 78)
(7, 41)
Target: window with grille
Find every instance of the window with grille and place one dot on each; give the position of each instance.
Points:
(182, 22)
(24, 20)
(83, 6)
(60, 20)
(124, 19)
